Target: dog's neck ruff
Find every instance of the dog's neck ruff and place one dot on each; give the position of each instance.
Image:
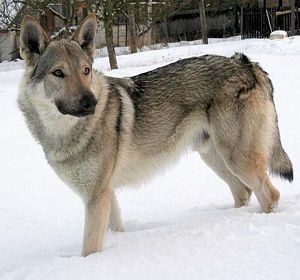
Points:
(55, 123)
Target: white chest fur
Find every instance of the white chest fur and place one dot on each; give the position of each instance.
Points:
(80, 175)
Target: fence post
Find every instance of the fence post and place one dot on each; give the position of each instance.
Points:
(242, 22)
(203, 21)
(293, 15)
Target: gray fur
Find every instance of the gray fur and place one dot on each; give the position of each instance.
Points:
(221, 107)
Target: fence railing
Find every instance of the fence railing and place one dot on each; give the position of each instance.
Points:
(250, 22)
(259, 23)
(187, 26)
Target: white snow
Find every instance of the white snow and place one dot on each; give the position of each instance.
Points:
(278, 34)
(182, 225)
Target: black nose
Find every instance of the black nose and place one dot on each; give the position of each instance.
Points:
(88, 102)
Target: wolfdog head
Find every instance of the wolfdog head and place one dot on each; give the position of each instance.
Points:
(61, 70)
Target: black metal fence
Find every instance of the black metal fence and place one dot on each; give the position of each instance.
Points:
(259, 22)
(249, 22)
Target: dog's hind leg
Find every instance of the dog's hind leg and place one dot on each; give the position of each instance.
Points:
(115, 221)
(97, 210)
(258, 180)
(240, 192)
(243, 136)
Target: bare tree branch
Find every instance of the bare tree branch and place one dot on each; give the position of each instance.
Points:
(56, 13)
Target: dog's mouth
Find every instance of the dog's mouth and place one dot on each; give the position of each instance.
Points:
(79, 113)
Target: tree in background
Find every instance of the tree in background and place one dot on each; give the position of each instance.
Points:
(141, 16)
(107, 17)
(203, 22)
(106, 11)
(12, 11)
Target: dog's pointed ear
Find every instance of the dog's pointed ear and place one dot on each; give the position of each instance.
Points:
(33, 40)
(85, 34)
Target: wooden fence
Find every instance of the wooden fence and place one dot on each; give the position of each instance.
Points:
(186, 25)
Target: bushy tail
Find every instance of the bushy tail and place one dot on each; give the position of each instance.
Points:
(280, 164)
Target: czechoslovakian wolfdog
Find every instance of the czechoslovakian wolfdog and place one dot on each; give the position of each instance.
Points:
(99, 133)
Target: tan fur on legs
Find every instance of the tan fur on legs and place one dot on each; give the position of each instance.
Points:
(240, 192)
(246, 144)
(268, 196)
(265, 192)
(115, 221)
(96, 217)
(259, 182)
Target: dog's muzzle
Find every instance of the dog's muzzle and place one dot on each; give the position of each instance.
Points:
(87, 105)
(84, 107)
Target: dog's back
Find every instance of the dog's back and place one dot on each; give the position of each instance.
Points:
(99, 133)
(175, 107)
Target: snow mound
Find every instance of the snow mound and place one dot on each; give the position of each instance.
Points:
(278, 34)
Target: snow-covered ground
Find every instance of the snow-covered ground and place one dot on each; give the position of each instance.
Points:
(182, 225)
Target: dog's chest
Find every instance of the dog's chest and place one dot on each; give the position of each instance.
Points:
(80, 174)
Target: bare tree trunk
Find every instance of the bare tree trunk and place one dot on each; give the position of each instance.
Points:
(203, 21)
(293, 15)
(242, 21)
(150, 19)
(165, 28)
(132, 30)
(110, 45)
(109, 35)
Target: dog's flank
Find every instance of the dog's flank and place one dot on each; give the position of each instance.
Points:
(99, 133)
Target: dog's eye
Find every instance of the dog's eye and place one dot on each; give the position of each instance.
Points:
(58, 73)
(87, 71)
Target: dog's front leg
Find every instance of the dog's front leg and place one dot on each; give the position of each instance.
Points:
(97, 211)
(115, 221)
